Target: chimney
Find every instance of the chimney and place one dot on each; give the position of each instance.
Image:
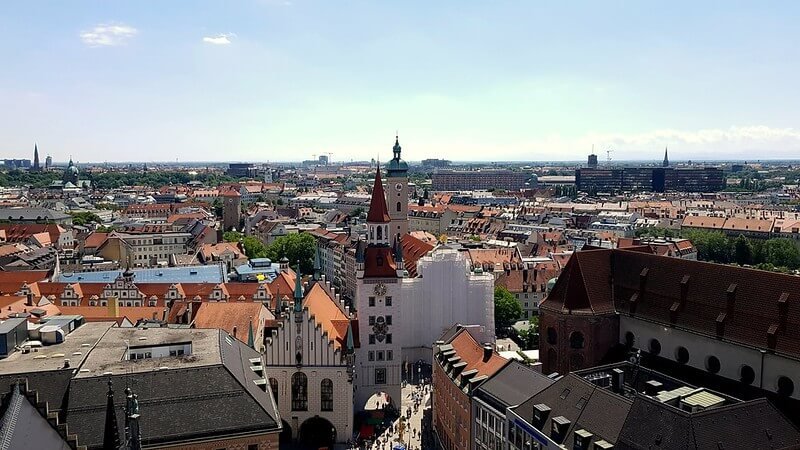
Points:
(234, 331)
(617, 379)
(487, 352)
(113, 307)
(29, 299)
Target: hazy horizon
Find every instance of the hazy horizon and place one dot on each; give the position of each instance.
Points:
(282, 80)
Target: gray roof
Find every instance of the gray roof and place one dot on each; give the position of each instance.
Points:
(582, 403)
(748, 425)
(31, 214)
(514, 383)
(211, 392)
(22, 426)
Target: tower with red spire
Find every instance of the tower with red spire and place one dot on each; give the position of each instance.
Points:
(377, 301)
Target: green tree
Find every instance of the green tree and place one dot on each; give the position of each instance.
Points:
(85, 217)
(356, 212)
(711, 245)
(507, 310)
(782, 252)
(253, 247)
(295, 246)
(232, 236)
(742, 251)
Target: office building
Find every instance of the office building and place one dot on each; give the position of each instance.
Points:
(482, 179)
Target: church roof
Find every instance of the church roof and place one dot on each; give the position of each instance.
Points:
(378, 212)
(379, 263)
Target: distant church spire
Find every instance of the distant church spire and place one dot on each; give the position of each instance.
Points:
(111, 438)
(36, 167)
(666, 160)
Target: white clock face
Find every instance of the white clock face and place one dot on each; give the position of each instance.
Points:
(398, 187)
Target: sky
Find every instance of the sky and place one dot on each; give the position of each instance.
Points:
(286, 80)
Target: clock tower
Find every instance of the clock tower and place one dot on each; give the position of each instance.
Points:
(397, 192)
(379, 272)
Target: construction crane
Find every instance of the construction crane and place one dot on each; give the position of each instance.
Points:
(608, 155)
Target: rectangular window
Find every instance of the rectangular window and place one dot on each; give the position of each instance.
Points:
(388, 338)
(380, 355)
(389, 355)
(380, 376)
(372, 339)
(252, 446)
(388, 301)
(388, 320)
(371, 356)
(371, 320)
(372, 301)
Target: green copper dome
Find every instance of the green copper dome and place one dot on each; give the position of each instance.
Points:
(396, 166)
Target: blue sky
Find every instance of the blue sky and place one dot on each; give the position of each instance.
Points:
(275, 80)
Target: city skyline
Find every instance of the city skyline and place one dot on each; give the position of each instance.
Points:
(284, 80)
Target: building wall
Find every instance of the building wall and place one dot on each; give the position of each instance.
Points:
(231, 212)
(397, 195)
(767, 367)
(600, 333)
(488, 426)
(451, 411)
(366, 370)
(320, 360)
(445, 293)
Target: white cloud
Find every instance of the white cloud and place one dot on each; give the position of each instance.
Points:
(219, 39)
(108, 35)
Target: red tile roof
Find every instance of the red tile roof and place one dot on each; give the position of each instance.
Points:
(413, 250)
(227, 316)
(95, 240)
(378, 212)
(379, 263)
(583, 287)
(471, 352)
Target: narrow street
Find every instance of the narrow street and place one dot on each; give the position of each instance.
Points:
(415, 405)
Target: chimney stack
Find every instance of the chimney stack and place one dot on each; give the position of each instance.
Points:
(487, 352)
(617, 379)
(113, 307)
(29, 299)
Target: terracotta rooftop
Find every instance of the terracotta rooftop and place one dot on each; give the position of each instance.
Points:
(471, 352)
(227, 316)
(413, 250)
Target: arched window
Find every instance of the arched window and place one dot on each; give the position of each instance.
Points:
(273, 385)
(399, 207)
(576, 340)
(380, 233)
(299, 392)
(630, 340)
(552, 336)
(682, 355)
(326, 389)
(712, 364)
(785, 386)
(747, 375)
(655, 346)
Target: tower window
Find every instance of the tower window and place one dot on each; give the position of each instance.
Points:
(576, 340)
(380, 233)
(399, 207)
